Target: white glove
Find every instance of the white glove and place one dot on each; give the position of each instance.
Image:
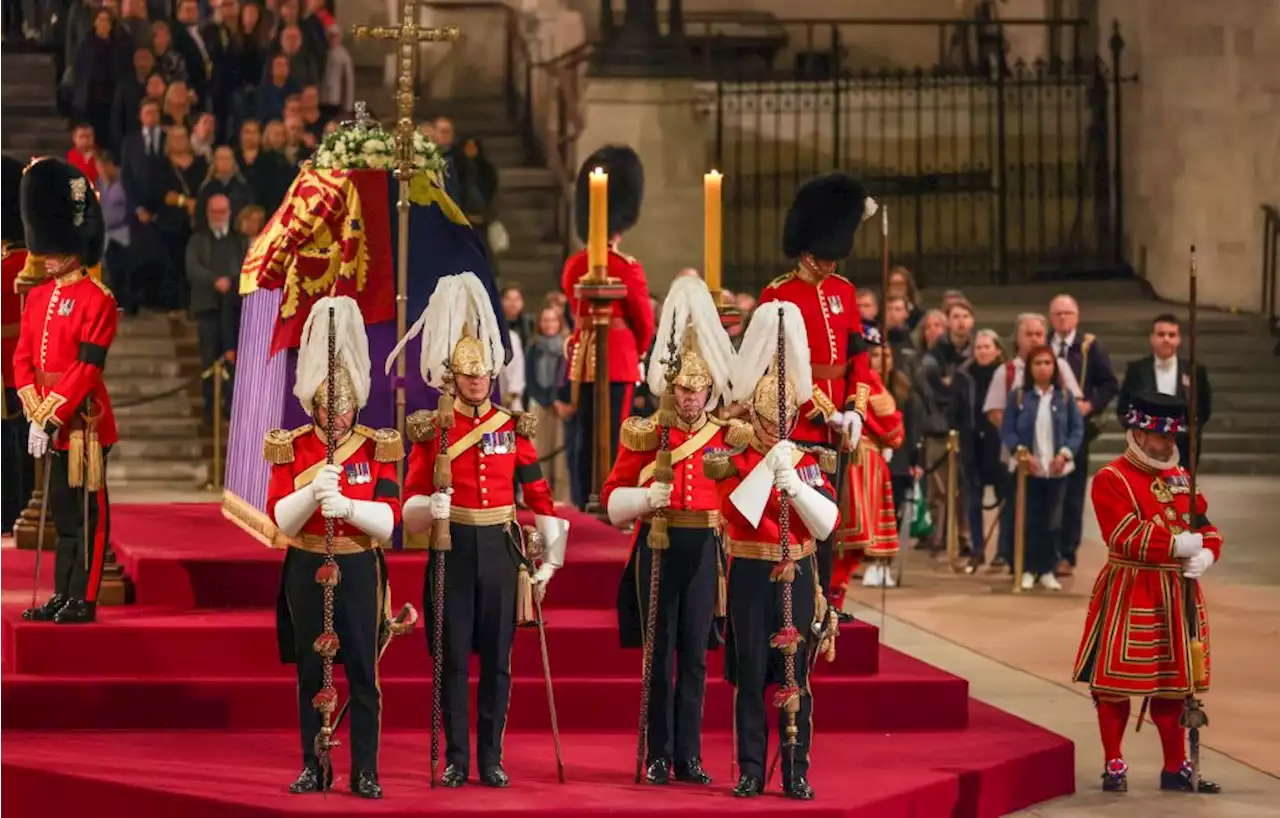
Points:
(326, 482)
(887, 454)
(37, 442)
(541, 578)
(337, 507)
(441, 502)
(1195, 567)
(780, 456)
(659, 495)
(847, 423)
(1187, 544)
(787, 482)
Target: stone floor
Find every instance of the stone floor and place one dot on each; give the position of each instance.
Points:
(1017, 652)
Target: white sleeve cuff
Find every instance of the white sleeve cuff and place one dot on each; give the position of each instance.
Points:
(417, 513)
(818, 513)
(555, 535)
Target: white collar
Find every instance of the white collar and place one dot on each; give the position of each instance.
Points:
(1070, 339)
(1135, 452)
(1166, 363)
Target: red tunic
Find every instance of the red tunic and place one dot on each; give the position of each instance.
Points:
(691, 490)
(763, 541)
(364, 477)
(68, 325)
(486, 470)
(873, 525)
(11, 308)
(1135, 636)
(630, 331)
(836, 346)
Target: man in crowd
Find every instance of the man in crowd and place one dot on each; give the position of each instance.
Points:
(131, 89)
(214, 258)
(1168, 373)
(938, 367)
(83, 155)
(1091, 365)
(513, 312)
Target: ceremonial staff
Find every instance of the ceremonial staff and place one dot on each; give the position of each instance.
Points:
(441, 545)
(326, 700)
(885, 352)
(1193, 715)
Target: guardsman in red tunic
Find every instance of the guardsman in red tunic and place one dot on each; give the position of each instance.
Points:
(359, 491)
(819, 234)
(1136, 641)
(751, 480)
(19, 468)
(690, 581)
(489, 577)
(631, 328)
(68, 324)
(872, 525)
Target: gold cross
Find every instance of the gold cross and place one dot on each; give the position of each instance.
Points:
(409, 35)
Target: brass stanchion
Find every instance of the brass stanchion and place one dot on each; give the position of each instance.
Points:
(1020, 520)
(953, 487)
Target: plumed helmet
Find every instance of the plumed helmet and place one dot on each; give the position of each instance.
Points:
(60, 212)
(626, 189)
(824, 215)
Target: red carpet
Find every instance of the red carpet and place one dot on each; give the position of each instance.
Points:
(178, 706)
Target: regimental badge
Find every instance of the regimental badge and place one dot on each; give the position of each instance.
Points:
(498, 442)
(65, 306)
(359, 474)
(811, 474)
(1160, 490)
(1170, 513)
(835, 304)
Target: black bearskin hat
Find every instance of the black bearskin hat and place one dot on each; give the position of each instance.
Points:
(626, 189)
(60, 212)
(823, 216)
(11, 207)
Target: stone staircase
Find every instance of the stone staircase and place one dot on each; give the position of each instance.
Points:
(162, 444)
(28, 105)
(1243, 436)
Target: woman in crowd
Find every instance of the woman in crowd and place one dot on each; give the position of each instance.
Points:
(904, 462)
(257, 44)
(204, 133)
(95, 76)
(903, 285)
(931, 327)
(266, 171)
(979, 439)
(1042, 424)
(224, 177)
(169, 63)
(177, 105)
(544, 369)
(251, 221)
(183, 173)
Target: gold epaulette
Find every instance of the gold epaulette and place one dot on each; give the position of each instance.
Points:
(780, 280)
(827, 459)
(388, 446)
(839, 277)
(640, 434)
(737, 433)
(103, 287)
(627, 258)
(526, 424)
(719, 465)
(421, 426)
(277, 447)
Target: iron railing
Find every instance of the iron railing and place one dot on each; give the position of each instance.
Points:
(1270, 266)
(996, 173)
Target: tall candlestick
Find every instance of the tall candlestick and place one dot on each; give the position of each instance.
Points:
(598, 226)
(711, 184)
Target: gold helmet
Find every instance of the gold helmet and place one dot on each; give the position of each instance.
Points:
(764, 401)
(694, 373)
(345, 398)
(468, 358)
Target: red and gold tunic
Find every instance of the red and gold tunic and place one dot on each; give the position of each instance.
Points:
(1135, 636)
(68, 325)
(491, 450)
(630, 330)
(837, 348)
(368, 459)
(872, 522)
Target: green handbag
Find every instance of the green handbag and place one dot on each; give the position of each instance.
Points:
(922, 521)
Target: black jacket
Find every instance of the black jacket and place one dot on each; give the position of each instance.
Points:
(1140, 376)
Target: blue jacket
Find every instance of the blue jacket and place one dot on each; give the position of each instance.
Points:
(1019, 427)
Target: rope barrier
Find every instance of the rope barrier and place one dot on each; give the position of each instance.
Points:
(168, 393)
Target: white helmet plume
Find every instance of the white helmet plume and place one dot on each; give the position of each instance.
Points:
(351, 346)
(759, 349)
(690, 307)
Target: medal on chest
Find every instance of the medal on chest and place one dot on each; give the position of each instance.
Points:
(810, 474)
(835, 304)
(65, 306)
(1161, 491)
(498, 442)
(359, 474)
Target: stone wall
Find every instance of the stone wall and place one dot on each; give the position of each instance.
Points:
(1201, 145)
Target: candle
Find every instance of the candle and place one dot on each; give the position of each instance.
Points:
(711, 243)
(598, 225)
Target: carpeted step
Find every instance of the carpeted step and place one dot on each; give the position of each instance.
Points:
(904, 695)
(999, 765)
(146, 642)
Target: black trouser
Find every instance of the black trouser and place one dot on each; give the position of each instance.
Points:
(480, 616)
(826, 557)
(686, 607)
(755, 615)
(19, 468)
(1044, 518)
(218, 330)
(120, 274)
(357, 617)
(1073, 506)
(584, 432)
(77, 569)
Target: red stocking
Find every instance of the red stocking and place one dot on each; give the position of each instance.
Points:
(1113, 719)
(1166, 715)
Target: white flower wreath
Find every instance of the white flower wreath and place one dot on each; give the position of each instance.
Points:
(373, 147)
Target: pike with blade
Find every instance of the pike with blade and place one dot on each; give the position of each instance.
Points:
(1193, 716)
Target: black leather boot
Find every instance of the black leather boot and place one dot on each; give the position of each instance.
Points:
(749, 786)
(659, 771)
(365, 784)
(47, 611)
(495, 777)
(1181, 782)
(452, 777)
(691, 772)
(308, 781)
(76, 612)
(799, 789)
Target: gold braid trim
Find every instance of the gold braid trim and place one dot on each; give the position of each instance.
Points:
(526, 424)
(737, 433)
(30, 400)
(827, 459)
(422, 426)
(639, 434)
(277, 446)
(47, 410)
(822, 405)
(97, 472)
(719, 465)
(882, 404)
(388, 446)
(75, 459)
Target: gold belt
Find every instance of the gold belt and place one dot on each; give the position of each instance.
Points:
(482, 516)
(687, 518)
(770, 551)
(341, 545)
(1148, 566)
